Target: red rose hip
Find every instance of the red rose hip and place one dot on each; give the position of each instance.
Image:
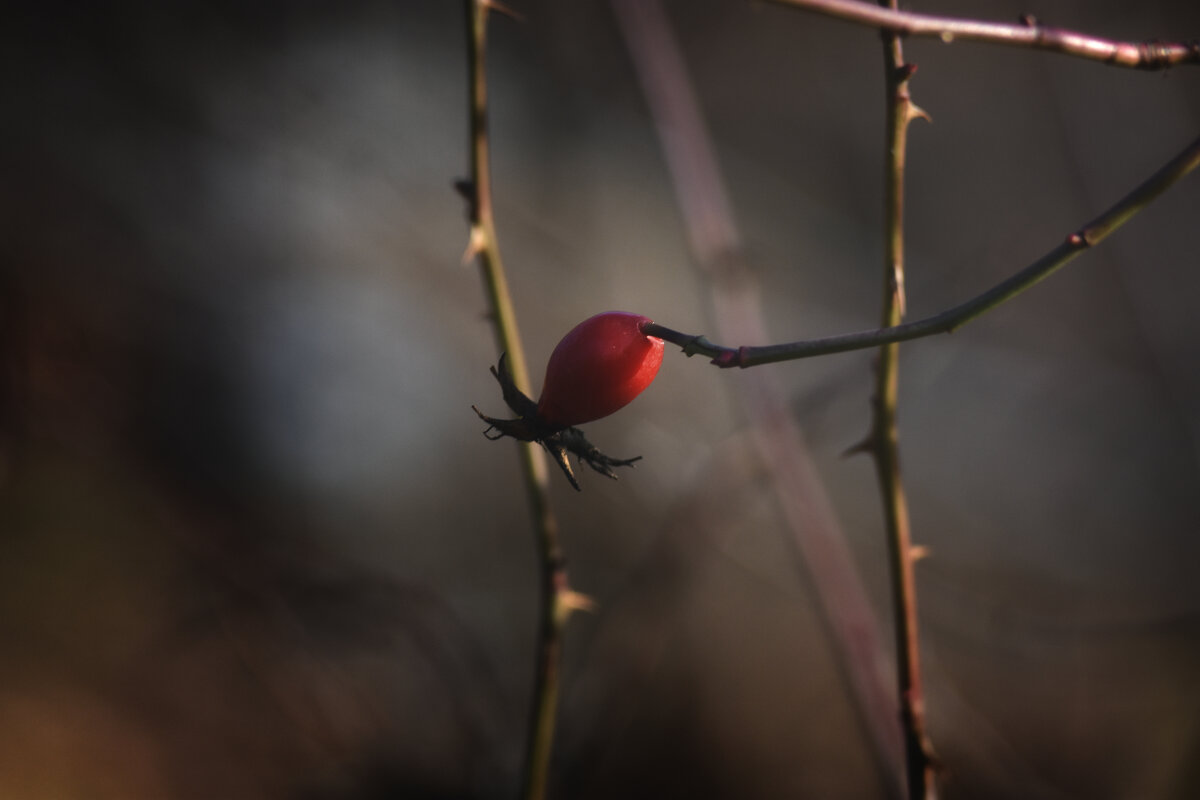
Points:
(597, 368)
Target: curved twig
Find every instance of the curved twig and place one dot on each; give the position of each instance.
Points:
(1148, 55)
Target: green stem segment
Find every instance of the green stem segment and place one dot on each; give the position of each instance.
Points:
(554, 595)
(950, 320)
(882, 441)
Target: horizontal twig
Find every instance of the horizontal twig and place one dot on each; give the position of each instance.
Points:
(1087, 236)
(1150, 55)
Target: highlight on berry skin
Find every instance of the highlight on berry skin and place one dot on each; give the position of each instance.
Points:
(598, 368)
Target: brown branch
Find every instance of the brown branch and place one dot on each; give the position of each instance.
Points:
(556, 600)
(1148, 55)
(882, 442)
(950, 320)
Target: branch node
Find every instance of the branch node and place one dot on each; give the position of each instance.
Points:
(1156, 54)
(727, 358)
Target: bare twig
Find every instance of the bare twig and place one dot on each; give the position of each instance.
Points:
(950, 320)
(1149, 55)
(555, 598)
(882, 441)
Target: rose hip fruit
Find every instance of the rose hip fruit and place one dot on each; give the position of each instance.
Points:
(597, 368)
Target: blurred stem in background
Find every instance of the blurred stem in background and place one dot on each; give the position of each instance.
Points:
(554, 598)
(815, 534)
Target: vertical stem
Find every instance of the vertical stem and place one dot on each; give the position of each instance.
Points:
(483, 242)
(884, 443)
(553, 593)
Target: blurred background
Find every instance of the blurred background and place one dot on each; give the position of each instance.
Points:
(253, 545)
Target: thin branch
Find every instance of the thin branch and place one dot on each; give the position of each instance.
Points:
(882, 442)
(555, 597)
(1148, 55)
(950, 320)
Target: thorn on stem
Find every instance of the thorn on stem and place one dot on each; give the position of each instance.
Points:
(500, 8)
(465, 188)
(867, 445)
(476, 244)
(916, 112)
(570, 601)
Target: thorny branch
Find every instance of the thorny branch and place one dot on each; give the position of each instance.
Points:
(950, 320)
(1028, 32)
(882, 442)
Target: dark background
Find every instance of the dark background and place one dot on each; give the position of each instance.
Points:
(253, 545)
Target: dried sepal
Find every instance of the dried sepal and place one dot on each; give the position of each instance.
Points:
(558, 441)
